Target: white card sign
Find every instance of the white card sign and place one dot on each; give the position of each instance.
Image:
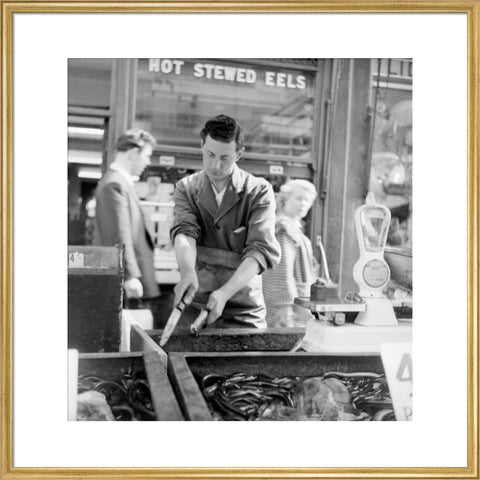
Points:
(75, 260)
(276, 169)
(166, 161)
(397, 362)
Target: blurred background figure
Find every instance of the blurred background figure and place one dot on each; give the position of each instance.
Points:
(90, 207)
(298, 267)
(119, 217)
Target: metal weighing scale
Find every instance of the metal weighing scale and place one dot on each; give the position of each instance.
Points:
(376, 322)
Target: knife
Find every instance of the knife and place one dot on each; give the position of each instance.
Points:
(172, 322)
(199, 323)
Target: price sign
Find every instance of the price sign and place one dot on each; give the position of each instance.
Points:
(75, 260)
(166, 161)
(276, 169)
(397, 362)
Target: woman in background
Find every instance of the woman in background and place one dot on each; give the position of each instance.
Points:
(298, 268)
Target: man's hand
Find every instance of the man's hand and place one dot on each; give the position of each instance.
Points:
(216, 304)
(133, 288)
(186, 288)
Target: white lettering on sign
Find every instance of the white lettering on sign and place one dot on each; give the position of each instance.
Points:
(166, 160)
(228, 73)
(270, 78)
(285, 80)
(75, 260)
(276, 169)
(223, 72)
(397, 362)
(395, 68)
(281, 79)
(165, 65)
(218, 73)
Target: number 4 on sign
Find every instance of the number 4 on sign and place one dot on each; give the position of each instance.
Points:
(404, 372)
(75, 260)
(397, 363)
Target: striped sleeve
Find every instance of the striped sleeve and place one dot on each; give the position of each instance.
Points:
(279, 283)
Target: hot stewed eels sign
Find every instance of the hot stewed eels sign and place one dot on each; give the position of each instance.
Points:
(227, 73)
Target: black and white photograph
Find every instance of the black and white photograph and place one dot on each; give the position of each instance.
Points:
(223, 206)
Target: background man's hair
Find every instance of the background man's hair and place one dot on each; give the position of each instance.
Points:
(223, 128)
(134, 138)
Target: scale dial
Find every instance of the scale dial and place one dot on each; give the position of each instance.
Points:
(376, 273)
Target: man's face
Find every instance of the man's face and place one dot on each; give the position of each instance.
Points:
(219, 158)
(140, 159)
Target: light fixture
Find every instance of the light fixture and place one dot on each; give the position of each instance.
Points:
(89, 173)
(85, 157)
(85, 132)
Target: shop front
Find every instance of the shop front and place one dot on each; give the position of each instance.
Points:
(342, 124)
(303, 118)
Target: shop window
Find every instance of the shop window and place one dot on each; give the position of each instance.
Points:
(274, 105)
(391, 168)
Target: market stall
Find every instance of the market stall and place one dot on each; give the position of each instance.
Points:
(342, 124)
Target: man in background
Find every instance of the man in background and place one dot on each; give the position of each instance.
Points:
(119, 217)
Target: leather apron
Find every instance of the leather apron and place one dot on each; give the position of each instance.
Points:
(214, 268)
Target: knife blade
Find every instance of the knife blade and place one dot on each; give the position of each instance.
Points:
(172, 323)
(199, 323)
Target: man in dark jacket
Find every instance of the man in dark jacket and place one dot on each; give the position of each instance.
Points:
(119, 217)
(224, 232)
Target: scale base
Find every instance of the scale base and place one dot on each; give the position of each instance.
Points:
(378, 313)
(325, 337)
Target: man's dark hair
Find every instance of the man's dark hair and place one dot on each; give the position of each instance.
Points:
(223, 128)
(135, 138)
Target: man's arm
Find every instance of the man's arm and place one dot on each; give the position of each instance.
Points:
(186, 253)
(261, 243)
(218, 298)
(184, 234)
(117, 228)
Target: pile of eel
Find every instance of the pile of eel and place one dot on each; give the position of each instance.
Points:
(127, 399)
(333, 396)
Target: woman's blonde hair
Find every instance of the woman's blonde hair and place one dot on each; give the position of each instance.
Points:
(290, 186)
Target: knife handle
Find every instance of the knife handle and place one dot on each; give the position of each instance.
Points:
(198, 324)
(181, 305)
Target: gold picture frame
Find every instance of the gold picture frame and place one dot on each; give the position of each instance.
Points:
(469, 7)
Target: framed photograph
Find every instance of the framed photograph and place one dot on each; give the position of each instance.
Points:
(436, 45)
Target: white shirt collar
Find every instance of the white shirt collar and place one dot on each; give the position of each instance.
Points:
(118, 168)
(218, 195)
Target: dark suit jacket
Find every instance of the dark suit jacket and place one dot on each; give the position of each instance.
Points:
(119, 219)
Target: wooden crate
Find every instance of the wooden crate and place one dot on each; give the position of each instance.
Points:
(187, 369)
(112, 366)
(140, 341)
(230, 339)
(95, 282)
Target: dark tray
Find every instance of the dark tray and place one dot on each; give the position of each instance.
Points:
(230, 340)
(187, 369)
